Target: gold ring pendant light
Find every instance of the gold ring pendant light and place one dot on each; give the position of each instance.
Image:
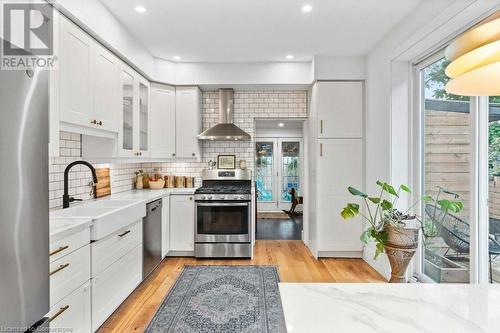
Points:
(475, 61)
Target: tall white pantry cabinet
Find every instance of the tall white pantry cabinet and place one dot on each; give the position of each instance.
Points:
(336, 126)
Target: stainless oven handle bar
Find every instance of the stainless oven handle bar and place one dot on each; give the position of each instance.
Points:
(218, 204)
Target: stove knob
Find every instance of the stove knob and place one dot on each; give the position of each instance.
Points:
(209, 197)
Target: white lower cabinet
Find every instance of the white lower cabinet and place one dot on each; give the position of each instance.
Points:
(68, 273)
(165, 227)
(73, 312)
(111, 248)
(114, 284)
(69, 290)
(181, 225)
(339, 166)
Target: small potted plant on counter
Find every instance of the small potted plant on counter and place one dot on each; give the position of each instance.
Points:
(396, 232)
(139, 175)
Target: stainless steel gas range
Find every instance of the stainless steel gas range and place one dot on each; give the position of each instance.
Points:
(223, 214)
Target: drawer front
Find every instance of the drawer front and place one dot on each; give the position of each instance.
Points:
(69, 244)
(73, 312)
(69, 273)
(111, 287)
(108, 250)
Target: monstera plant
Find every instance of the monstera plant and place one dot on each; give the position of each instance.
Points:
(393, 227)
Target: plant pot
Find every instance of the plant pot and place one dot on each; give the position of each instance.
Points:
(400, 248)
(403, 237)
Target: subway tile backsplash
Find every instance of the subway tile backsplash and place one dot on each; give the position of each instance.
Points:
(249, 104)
(122, 175)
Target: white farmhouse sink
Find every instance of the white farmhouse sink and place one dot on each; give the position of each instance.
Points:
(107, 215)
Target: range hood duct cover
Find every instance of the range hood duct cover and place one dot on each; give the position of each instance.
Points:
(225, 130)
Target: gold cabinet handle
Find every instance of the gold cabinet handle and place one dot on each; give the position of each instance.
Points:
(59, 312)
(56, 251)
(321, 126)
(126, 232)
(60, 268)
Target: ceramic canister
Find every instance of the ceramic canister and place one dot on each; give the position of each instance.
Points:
(180, 181)
(169, 181)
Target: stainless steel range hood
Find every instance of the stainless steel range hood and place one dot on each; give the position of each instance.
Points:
(225, 130)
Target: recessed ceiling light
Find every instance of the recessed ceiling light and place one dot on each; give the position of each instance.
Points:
(281, 124)
(140, 9)
(289, 57)
(307, 8)
(177, 58)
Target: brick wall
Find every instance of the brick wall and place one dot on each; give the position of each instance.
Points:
(248, 105)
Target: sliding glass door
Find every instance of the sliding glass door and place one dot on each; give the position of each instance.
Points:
(459, 145)
(446, 142)
(494, 189)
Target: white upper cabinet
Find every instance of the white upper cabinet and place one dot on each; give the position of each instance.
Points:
(106, 89)
(187, 122)
(76, 75)
(340, 109)
(89, 82)
(162, 116)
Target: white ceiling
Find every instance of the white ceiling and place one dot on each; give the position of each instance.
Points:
(259, 30)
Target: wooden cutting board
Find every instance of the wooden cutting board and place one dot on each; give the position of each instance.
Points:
(103, 186)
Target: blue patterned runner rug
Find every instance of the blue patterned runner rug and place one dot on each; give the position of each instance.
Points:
(222, 299)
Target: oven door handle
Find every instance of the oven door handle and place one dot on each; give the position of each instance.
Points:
(218, 204)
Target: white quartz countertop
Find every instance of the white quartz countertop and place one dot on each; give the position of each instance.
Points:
(148, 195)
(63, 227)
(60, 228)
(387, 308)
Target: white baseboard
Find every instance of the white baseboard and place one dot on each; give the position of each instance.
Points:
(340, 254)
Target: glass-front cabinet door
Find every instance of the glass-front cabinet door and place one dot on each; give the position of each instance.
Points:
(126, 141)
(134, 132)
(143, 117)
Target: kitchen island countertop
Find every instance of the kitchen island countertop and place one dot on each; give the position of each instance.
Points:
(387, 308)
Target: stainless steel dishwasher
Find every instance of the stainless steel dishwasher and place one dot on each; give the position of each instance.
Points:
(151, 237)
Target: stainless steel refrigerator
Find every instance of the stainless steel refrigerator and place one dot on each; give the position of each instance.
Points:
(24, 212)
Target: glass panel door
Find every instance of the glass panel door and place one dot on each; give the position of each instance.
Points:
(265, 180)
(494, 189)
(290, 169)
(143, 116)
(446, 172)
(128, 112)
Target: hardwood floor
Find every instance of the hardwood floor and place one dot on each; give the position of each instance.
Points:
(289, 228)
(293, 259)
